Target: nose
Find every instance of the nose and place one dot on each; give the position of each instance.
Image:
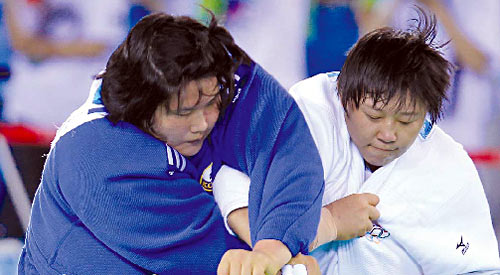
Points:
(387, 132)
(198, 121)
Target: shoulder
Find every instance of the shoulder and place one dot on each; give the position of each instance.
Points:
(445, 148)
(318, 100)
(255, 84)
(100, 148)
(319, 90)
(98, 157)
(439, 165)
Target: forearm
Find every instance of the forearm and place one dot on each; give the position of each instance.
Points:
(17, 35)
(40, 47)
(293, 188)
(78, 49)
(238, 222)
(327, 230)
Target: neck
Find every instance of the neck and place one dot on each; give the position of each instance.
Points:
(372, 168)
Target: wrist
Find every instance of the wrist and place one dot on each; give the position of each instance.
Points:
(327, 229)
(275, 250)
(330, 224)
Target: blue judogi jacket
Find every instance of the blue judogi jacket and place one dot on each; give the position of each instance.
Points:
(115, 200)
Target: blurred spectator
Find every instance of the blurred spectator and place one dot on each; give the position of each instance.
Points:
(474, 30)
(5, 53)
(332, 31)
(10, 249)
(137, 11)
(176, 7)
(274, 34)
(59, 46)
(271, 32)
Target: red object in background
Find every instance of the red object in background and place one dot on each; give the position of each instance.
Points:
(486, 156)
(34, 1)
(19, 134)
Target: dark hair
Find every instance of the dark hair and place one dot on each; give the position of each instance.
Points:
(160, 55)
(388, 63)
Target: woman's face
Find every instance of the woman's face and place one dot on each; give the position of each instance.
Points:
(188, 120)
(383, 132)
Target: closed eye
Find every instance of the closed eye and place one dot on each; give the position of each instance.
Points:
(213, 101)
(373, 117)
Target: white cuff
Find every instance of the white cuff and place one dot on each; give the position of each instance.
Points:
(230, 189)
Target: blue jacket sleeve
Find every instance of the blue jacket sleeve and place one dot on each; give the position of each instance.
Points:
(264, 134)
(121, 187)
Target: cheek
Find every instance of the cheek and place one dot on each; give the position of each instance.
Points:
(168, 129)
(409, 136)
(212, 114)
(362, 131)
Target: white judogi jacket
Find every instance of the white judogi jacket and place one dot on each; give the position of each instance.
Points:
(435, 218)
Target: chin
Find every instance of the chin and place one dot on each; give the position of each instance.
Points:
(189, 152)
(377, 161)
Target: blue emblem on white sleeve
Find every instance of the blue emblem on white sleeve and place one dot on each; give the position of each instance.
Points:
(426, 129)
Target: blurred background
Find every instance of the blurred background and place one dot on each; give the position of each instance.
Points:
(50, 50)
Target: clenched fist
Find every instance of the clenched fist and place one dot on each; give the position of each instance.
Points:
(353, 215)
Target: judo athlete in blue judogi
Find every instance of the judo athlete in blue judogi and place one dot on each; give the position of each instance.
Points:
(126, 187)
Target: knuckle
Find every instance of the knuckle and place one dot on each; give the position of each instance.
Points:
(310, 261)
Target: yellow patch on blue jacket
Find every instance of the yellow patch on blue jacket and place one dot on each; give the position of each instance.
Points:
(206, 178)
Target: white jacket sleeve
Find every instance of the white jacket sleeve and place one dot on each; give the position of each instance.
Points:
(230, 189)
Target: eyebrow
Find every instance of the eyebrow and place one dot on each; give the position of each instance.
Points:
(409, 113)
(216, 89)
(189, 109)
(413, 113)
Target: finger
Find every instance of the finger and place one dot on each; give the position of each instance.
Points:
(298, 259)
(223, 268)
(362, 232)
(235, 269)
(313, 269)
(312, 266)
(368, 227)
(258, 270)
(372, 199)
(373, 213)
(246, 269)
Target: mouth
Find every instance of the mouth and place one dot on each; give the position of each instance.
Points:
(385, 149)
(196, 141)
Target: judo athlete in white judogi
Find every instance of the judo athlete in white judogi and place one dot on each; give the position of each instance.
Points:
(374, 125)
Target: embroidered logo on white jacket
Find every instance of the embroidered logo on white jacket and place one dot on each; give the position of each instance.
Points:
(461, 244)
(377, 233)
